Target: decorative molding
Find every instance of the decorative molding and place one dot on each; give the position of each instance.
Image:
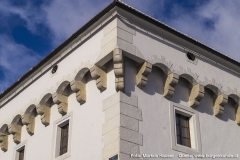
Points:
(196, 95)
(4, 137)
(219, 104)
(188, 75)
(80, 89)
(15, 128)
(28, 119)
(213, 85)
(144, 70)
(100, 76)
(118, 65)
(44, 109)
(161, 62)
(170, 83)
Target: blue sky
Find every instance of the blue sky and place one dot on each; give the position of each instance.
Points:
(29, 30)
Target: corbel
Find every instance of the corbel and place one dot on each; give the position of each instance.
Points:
(80, 89)
(170, 83)
(16, 131)
(144, 70)
(4, 138)
(62, 102)
(196, 95)
(29, 121)
(45, 112)
(118, 66)
(4, 142)
(100, 76)
(238, 114)
(220, 101)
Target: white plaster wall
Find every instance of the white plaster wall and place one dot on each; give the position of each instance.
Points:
(87, 118)
(218, 135)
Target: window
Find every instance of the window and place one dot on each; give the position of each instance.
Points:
(182, 128)
(185, 130)
(61, 148)
(64, 139)
(20, 151)
(21, 154)
(114, 157)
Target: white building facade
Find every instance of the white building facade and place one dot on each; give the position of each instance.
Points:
(124, 86)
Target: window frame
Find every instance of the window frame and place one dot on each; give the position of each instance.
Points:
(58, 124)
(19, 147)
(194, 129)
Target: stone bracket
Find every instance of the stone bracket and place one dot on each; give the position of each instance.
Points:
(44, 111)
(238, 115)
(118, 66)
(29, 121)
(16, 131)
(170, 83)
(219, 104)
(100, 76)
(80, 89)
(62, 102)
(196, 95)
(4, 142)
(143, 72)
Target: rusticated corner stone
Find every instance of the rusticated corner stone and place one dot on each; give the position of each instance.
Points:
(219, 104)
(62, 102)
(4, 138)
(118, 66)
(144, 71)
(170, 83)
(80, 89)
(100, 76)
(196, 95)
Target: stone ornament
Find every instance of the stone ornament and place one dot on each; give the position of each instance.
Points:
(4, 137)
(61, 97)
(118, 65)
(220, 102)
(15, 128)
(170, 83)
(196, 95)
(80, 89)
(100, 76)
(141, 78)
(28, 119)
(44, 109)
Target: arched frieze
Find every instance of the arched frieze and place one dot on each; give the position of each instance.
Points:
(219, 97)
(233, 94)
(171, 78)
(78, 85)
(15, 128)
(4, 137)
(28, 118)
(60, 97)
(118, 66)
(44, 108)
(197, 90)
(100, 75)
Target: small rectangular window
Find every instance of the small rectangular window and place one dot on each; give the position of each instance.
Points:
(21, 154)
(114, 157)
(64, 139)
(182, 128)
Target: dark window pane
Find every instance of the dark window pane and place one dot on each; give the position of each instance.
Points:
(21, 154)
(114, 157)
(182, 130)
(64, 139)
